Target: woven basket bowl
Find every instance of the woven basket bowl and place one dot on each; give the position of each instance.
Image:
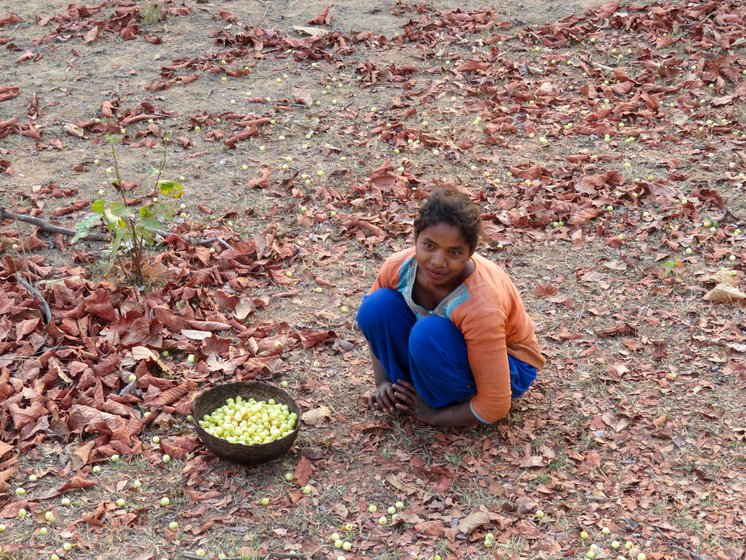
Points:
(212, 399)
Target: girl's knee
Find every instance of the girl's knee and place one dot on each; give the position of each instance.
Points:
(430, 333)
(377, 306)
(434, 326)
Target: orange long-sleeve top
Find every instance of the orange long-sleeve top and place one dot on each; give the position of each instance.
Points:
(489, 312)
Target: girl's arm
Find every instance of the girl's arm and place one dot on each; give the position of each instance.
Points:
(383, 397)
(488, 360)
(454, 415)
(409, 402)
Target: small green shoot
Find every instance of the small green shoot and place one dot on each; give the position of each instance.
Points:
(133, 229)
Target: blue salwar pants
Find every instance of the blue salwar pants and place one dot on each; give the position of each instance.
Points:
(429, 352)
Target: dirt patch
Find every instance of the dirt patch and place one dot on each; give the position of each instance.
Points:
(606, 149)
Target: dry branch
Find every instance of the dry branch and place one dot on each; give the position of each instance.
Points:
(37, 294)
(51, 228)
(195, 241)
(46, 226)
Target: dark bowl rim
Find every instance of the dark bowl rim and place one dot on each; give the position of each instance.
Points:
(282, 444)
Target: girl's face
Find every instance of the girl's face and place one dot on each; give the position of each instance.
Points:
(442, 254)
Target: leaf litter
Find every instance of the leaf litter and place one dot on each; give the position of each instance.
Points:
(612, 138)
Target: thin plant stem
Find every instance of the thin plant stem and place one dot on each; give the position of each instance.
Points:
(118, 184)
(136, 253)
(160, 167)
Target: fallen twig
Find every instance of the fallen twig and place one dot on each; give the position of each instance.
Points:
(195, 241)
(46, 226)
(50, 228)
(37, 294)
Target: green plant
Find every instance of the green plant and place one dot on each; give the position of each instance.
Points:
(133, 229)
(670, 267)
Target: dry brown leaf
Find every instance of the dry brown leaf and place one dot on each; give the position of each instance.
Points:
(4, 448)
(10, 19)
(724, 293)
(79, 455)
(171, 395)
(9, 93)
(620, 329)
(316, 416)
(679, 117)
(11, 510)
(244, 308)
(95, 517)
(24, 416)
(722, 276)
(472, 521)
(398, 484)
(26, 327)
(311, 339)
(143, 353)
(313, 31)
(302, 94)
(227, 15)
(303, 471)
(616, 265)
(74, 130)
(532, 461)
(178, 453)
(408, 489)
(408, 517)
(75, 483)
(211, 326)
(322, 18)
(430, 528)
(261, 182)
(543, 290)
(340, 510)
(196, 335)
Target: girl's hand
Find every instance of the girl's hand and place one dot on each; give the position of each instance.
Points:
(382, 398)
(410, 402)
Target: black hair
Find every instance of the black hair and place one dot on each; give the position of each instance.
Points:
(448, 205)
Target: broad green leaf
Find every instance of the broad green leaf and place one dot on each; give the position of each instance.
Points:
(170, 188)
(145, 212)
(98, 206)
(83, 227)
(146, 236)
(151, 223)
(119, 209)
(112, 138)
(114, 223)
(116, 243)
(166, 212)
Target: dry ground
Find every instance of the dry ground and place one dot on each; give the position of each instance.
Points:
(636, 424)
